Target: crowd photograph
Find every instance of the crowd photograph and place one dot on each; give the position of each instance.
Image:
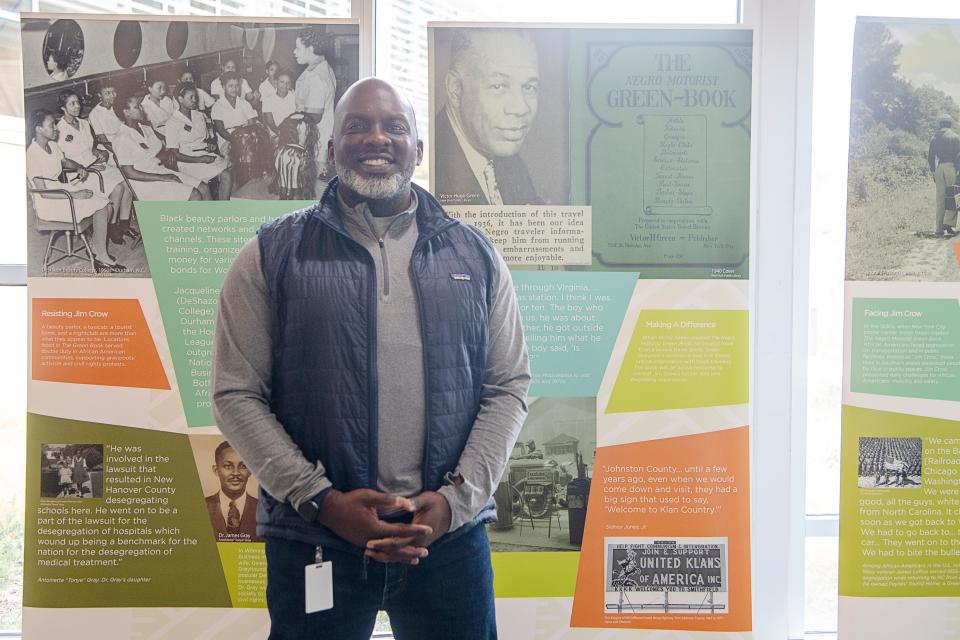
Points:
(885, 463)
(173, 111)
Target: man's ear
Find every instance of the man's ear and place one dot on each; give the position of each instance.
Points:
(214, 468)
(419, 151)
(454, 87)
(330, 153)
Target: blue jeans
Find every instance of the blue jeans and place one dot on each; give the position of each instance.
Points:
(448, 596)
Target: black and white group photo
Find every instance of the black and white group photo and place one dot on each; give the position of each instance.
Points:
(172, 111)
(890, 463)
(71, 471)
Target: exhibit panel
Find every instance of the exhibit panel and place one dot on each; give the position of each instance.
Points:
(899, 516)
(155, 150)
(611, 169)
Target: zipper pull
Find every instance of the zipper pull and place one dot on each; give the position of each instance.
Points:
(380, 242)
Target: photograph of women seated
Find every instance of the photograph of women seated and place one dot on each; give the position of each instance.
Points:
(76, 140)
(138, 151)
(217, 114)
(80, 196)
(194, 145)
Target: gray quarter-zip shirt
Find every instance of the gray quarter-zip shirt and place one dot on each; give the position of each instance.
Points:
(243, 364)
(400, 385)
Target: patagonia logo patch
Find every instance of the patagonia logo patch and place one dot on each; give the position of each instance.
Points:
(463, 277)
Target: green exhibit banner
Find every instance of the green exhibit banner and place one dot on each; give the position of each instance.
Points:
(660, 148)
(142, 529)
(570, 322)
(190, 246)
(900, 496)
(900, 460)
(140, 517)
(610, 167)
(684, 359)
(906, 347)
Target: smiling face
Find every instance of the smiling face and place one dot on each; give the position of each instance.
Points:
(229, 66)
(232, 472)
(187, 77)
(272, 70)
(494, 91)
(231, 87)
(375, 145)
(72, 106)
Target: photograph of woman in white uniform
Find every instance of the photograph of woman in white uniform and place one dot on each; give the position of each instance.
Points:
(230, 112)
(158, 106)
(316, 87)
(188, 138)
(137, 148)
(76, 140)
(45, 163)
(269, 85)
(204, 99)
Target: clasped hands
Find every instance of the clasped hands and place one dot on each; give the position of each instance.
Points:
(355, 517)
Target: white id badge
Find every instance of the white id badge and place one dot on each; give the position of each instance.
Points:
(319, 586)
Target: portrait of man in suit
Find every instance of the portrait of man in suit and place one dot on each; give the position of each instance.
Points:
(232, 510)
(491, 92)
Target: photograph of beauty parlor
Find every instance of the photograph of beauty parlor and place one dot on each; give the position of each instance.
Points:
(119, 111)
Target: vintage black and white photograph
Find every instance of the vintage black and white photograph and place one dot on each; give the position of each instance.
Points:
(499, 134)
(890, 463)
(71, 471)
(229, 489)
(667, 576)
(542, 497)
(902, 188)
(173, 111)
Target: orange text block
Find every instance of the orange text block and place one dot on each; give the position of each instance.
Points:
(94, 341)
(667, 539)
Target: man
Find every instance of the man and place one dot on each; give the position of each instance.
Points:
(232, 510)
(370, 368)
(492, 92)
(944, 149)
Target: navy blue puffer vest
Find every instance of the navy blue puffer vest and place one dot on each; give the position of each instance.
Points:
(323, 291)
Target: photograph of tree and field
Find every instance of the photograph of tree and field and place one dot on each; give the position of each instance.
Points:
(904, 114)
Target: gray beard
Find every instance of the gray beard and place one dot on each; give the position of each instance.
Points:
(378, 187)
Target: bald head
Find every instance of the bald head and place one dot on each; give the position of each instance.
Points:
(368, 90)
(375, 146)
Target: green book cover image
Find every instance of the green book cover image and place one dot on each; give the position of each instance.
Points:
(660, 148)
